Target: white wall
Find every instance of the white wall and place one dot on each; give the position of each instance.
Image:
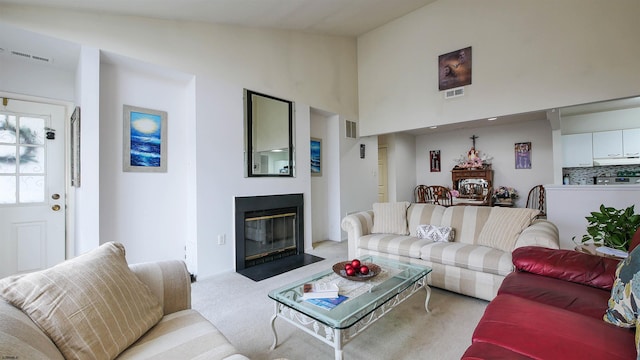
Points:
(86, 219)
(568, 206)
(43, 81)
(358, 177)
(527, 55)
(601, 121)
(147, 212)
(495, 141)
(311, 70)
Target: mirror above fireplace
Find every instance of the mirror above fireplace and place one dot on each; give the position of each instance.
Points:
(268, 136)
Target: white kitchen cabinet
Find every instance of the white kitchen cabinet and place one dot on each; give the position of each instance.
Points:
(631, 142)
(607, 144)
(577, 150)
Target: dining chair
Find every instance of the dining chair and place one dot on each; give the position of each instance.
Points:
(537, 199)
(441, 195)
(421, 194)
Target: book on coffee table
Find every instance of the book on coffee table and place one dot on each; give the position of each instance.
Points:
(328, 303)
(319, 291)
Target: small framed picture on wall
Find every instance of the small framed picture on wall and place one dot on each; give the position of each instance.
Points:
(145, 140)
(434, 160)
(523, 155)
(316, 157)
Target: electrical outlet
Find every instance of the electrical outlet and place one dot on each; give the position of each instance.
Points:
(221, 239)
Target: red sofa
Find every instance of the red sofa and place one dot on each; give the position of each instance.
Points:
(551, 307)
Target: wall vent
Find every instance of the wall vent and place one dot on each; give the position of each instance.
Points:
(350, 129)
(25, 55)
(451, 93)
(40, 58)
(18, 53)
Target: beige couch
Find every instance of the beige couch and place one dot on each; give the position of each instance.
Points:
(96, 307)
(474, 263)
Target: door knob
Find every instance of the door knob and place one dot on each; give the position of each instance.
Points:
(55, 196)
(55, 207)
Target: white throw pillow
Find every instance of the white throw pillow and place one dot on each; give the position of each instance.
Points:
(436, 233)
(390, 218)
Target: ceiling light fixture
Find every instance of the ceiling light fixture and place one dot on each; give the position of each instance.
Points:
(492, 118)
(433, 127)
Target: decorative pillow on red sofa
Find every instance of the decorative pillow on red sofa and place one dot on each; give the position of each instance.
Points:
(625, 294)
(569, 265)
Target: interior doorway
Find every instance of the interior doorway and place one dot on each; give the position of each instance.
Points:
(383, 186)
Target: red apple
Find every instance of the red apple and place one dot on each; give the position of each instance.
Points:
(355, 263)
(350, 272)
(364, 269)
(348, 266)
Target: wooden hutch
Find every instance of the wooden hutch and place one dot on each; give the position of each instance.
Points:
(472, 183)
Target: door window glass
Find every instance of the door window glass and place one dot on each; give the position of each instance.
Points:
(22, 159)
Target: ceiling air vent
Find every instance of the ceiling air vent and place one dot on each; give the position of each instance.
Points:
(451, 93)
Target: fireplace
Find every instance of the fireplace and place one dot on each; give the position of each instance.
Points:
(268, 228)
(269, 234)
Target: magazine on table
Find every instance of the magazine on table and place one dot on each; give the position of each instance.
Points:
(328, 303)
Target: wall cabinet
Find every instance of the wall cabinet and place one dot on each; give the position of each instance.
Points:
(607, 144)
(616, 144)
(631, 142)
(577, 150)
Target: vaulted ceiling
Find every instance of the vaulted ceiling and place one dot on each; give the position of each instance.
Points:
(329, 17)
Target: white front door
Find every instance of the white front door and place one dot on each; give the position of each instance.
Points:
(32, 186)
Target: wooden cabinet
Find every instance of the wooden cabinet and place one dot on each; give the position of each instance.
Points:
(472, 183)
(577, 150)
(631, 142)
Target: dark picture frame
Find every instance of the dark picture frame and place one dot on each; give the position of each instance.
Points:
(144, 140)
(434, 160)
(522, 152)
(454, 69)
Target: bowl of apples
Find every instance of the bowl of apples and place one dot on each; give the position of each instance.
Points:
(356, 270)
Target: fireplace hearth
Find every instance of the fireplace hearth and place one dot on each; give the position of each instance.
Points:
(270, 235)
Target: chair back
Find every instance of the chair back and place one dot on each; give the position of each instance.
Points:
(537, 199)
(441, 195)
(421, 194)
(433, 194)
(487, 200)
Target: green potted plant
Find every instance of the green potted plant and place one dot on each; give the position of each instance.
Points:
(612, 227)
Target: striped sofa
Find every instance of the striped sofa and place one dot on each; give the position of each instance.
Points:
(478, 258)
(180, 332)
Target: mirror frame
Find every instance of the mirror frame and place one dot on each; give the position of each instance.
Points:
(249, 134)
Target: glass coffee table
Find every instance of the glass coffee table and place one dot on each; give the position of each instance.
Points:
(367, 301)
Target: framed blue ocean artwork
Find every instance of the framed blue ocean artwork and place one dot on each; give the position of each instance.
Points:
(316, 157)
(145, 140)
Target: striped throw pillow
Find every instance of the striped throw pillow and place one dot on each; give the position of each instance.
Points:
(504, 225)
(390, 218)
(92, 306)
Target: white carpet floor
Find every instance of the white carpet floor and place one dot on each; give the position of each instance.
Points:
(241, 309)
